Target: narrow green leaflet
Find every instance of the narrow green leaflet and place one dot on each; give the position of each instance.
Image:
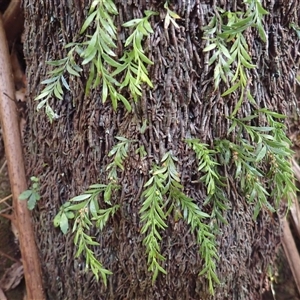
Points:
(32, 195)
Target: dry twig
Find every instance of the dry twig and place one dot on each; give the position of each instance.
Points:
(13, 146)
(291, 252)
(288, 242)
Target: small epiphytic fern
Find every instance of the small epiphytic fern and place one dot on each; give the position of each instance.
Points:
(257, 144)
(134, 61)
(86, 211)
(57, 81)
(230, 49)
(119, 152)
(195, 217)
(251, 146)
(162, 189)
(211, 178)
(98, 52)
(154, 219)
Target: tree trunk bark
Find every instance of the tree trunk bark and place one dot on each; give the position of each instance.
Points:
(72, 153)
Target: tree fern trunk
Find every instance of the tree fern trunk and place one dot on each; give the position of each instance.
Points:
(72, 153)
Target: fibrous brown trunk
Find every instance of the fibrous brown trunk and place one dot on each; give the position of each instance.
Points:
(71, 153)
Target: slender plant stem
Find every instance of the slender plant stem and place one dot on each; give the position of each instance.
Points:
(291, 251)
(6, 198)
(8, 256)
(3, 166)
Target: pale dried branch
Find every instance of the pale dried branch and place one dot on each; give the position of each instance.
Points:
(6, 198)
(295, 210)
(3, 166)
(14, 155)
(291, 252)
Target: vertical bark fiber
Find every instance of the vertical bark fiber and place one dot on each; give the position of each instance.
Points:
(71, 153)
